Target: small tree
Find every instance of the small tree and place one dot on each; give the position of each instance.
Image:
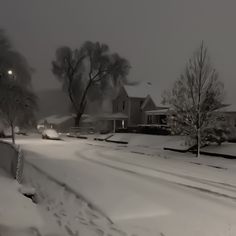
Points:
(17, 104)
(91, 66)
(196, 96)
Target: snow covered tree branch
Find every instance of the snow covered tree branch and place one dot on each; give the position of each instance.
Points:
(196, 96)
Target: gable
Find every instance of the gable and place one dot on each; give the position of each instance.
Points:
(142, 90)
(122, 94)
(148, 103)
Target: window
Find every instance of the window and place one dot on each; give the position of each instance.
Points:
(163, 119)
(123, 105)
(140, 103)
(149, 119)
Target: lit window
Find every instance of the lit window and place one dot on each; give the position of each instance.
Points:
(123, 124)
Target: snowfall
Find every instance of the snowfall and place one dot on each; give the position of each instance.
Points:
(86, 187)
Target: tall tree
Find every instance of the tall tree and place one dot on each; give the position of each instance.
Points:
(17, 104)
(90, 68)
(196, 96)
(14, 62)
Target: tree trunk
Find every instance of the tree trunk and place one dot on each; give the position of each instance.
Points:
(198, 142)
(79, 114)
(78, 118)
(12, 133)
(82, 105)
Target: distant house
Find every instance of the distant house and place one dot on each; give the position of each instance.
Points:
(230, 115)
(104, 121)
(229, 118)
(62, 123)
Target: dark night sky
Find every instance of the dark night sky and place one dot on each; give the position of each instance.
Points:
(156, 36)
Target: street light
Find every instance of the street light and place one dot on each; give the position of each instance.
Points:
(10, 72)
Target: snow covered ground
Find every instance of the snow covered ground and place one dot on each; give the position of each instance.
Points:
(18, 214)
(62, 205)
(141, 188)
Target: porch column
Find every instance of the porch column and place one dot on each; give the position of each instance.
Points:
(114, 126)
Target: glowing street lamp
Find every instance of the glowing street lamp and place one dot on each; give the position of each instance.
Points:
(10, 72)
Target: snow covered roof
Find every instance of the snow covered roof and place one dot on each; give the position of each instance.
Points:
(142, 90)
(227, 108)
(105, 116)
(112, 116)
(89, 119)
(56, 119)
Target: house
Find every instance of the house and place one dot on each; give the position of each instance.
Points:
(229, 113)
(141, 106)
(62, 123)
(105, 121)
(228, 119)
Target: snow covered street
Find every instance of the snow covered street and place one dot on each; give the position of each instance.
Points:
(162, 194)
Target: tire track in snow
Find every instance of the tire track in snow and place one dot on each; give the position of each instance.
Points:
(133, 172)
(222, 185)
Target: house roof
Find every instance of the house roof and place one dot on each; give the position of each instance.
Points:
(142, 90)
(112, 116)
(56, 119)
(228, 108)
(105, 116)
(162, 111)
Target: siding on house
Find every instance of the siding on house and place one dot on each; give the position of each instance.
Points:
(135, 117)
(121, 104)
(230, 119)
(149, 105)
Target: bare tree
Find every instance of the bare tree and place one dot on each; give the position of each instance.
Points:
(196, 96)
(17, 104)
(91, 66)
